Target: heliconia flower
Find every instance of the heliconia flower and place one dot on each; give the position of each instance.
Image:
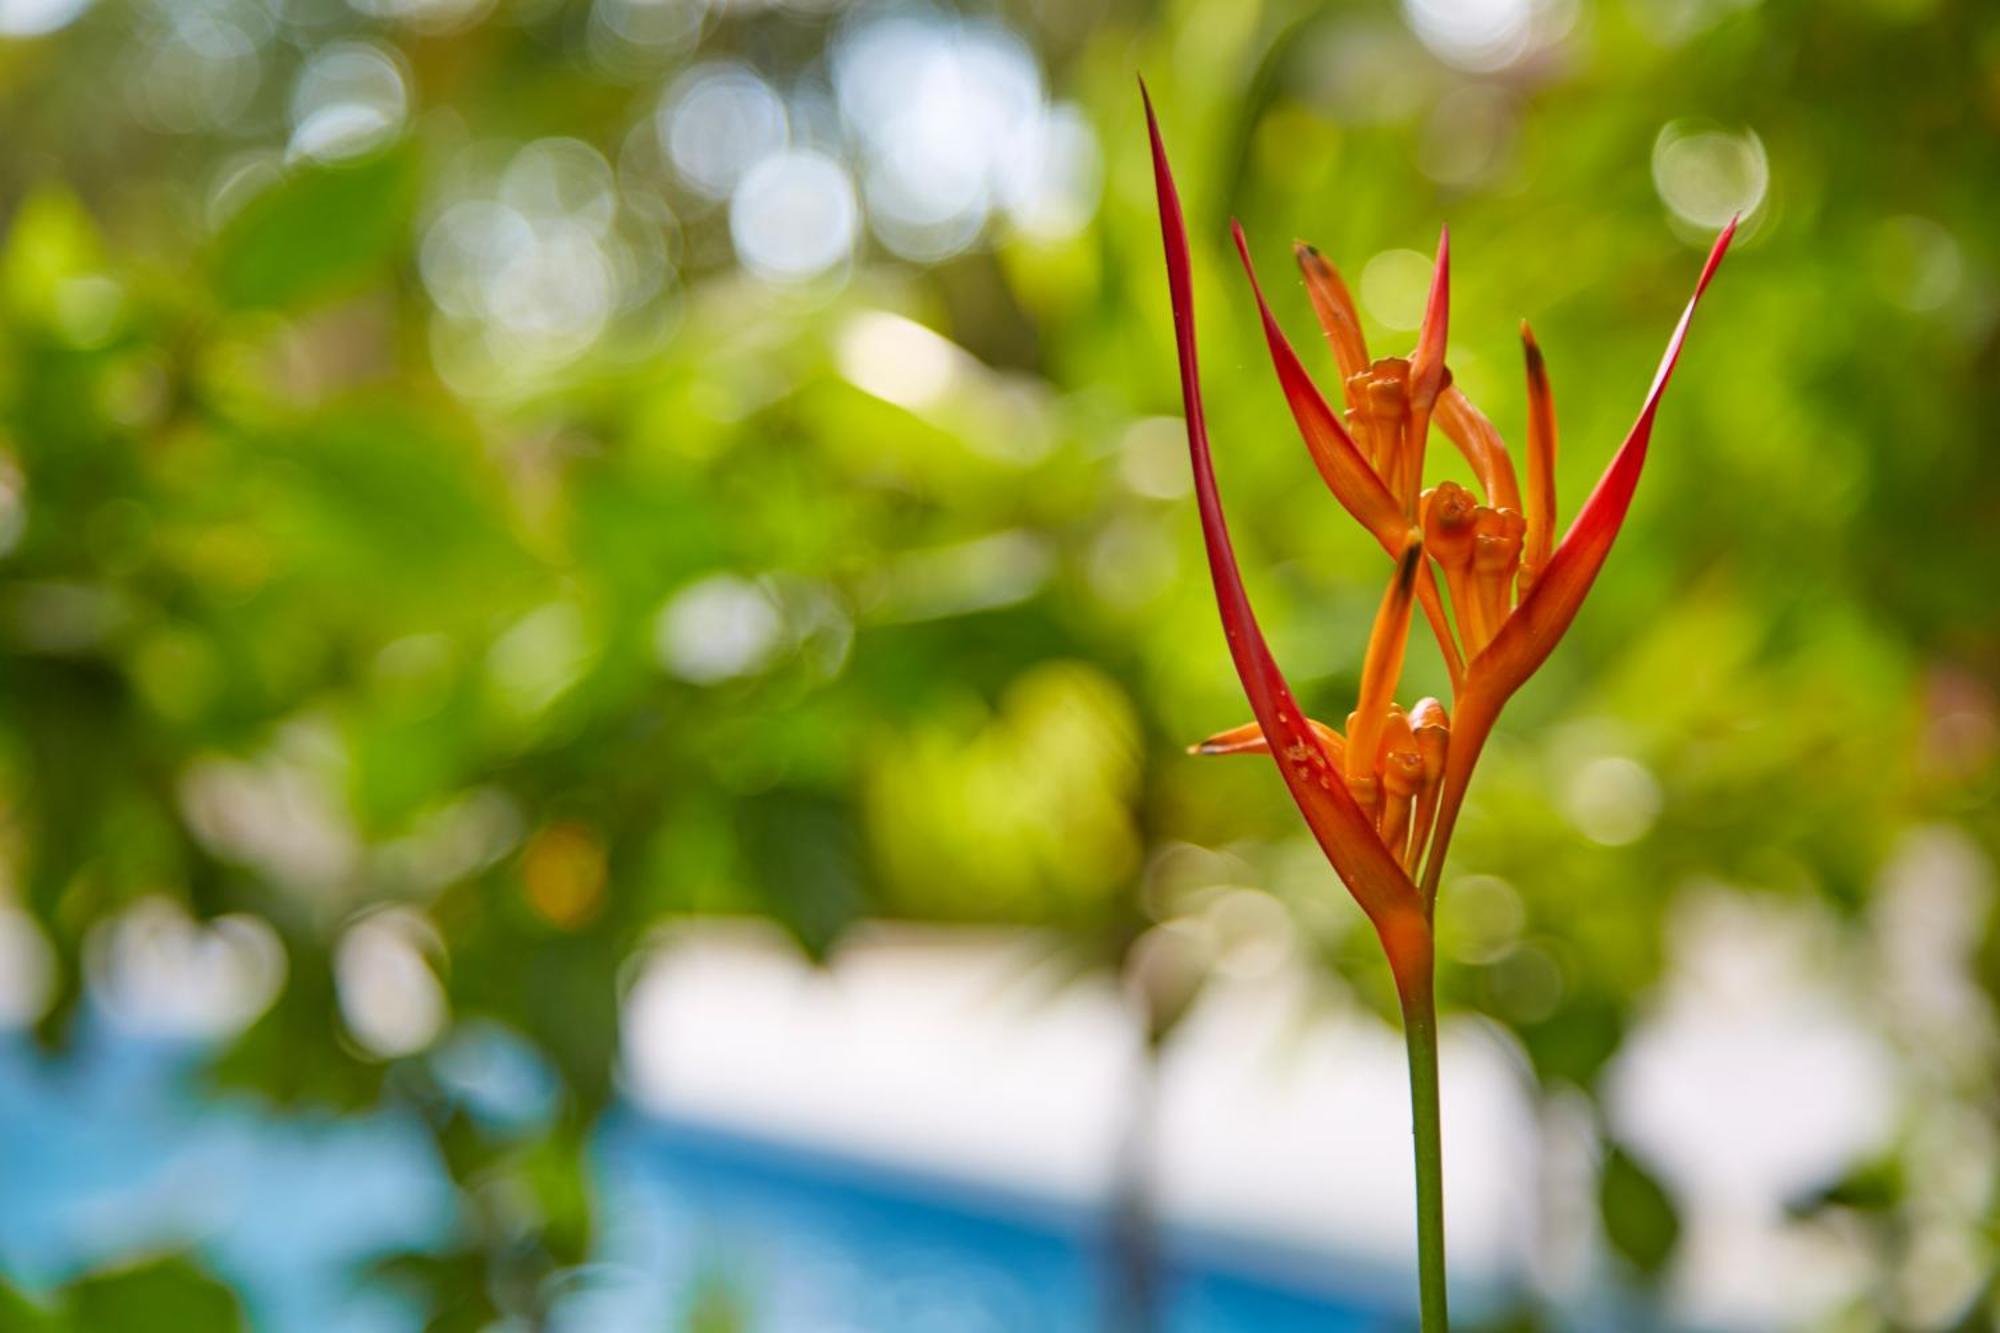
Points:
(1382, 797)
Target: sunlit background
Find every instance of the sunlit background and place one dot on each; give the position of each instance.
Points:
(600, 609)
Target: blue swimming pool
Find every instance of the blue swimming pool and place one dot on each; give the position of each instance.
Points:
(822, 1244)
(110, 1152)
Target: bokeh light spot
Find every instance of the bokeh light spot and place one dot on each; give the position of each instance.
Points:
(1480, 35)
(13, 503)
(27, 969)
(539, 658)
(1468, 137)
(429, 16)
(1486, 919)
(716, 629)
(1707, 176)
(390, 998)
(952, 123)
(532, 259)
(1612, 800)
(32, 18)
(198, 75)
(350, 99)
(1052, 190)
(1153, 459)
(630, 37)
(794, 216)
(897, 359)
(1394, 285)
(717, 122)
(1918, 265)
(157, 971)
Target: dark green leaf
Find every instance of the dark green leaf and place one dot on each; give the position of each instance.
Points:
(1640, 1220)
(319, 229)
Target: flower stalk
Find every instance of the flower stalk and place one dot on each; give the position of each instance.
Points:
(1383, 797)
(1418, 993)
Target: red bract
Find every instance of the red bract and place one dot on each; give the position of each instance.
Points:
(1378, 882)
(1382, 799)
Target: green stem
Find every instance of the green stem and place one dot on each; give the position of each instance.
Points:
(1420, 1029)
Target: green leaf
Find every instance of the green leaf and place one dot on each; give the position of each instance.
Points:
(51, 241)
(391, 489)
(1875, 1186)
(321, 228)
(1640, 1219)
(18, 1314)
(801, 847)
(163, 1296)
(716, 1305)
(453, 1287)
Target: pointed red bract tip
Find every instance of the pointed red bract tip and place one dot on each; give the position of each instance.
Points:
(1540, 505)
(1427, 366)
(1531, 633)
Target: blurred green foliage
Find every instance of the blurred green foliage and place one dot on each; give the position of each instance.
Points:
(307, 611)
(168, 1294)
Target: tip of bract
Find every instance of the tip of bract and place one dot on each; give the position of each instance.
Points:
(1528, 636)
(1413, 558)
(1427, 366)
(1716, 252)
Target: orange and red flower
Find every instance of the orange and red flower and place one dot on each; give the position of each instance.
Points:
(1382, 797)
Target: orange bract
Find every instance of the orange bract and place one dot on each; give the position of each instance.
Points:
(1382, 801)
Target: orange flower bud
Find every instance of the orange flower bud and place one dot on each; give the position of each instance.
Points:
(1335, 309)
(1541, 501)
